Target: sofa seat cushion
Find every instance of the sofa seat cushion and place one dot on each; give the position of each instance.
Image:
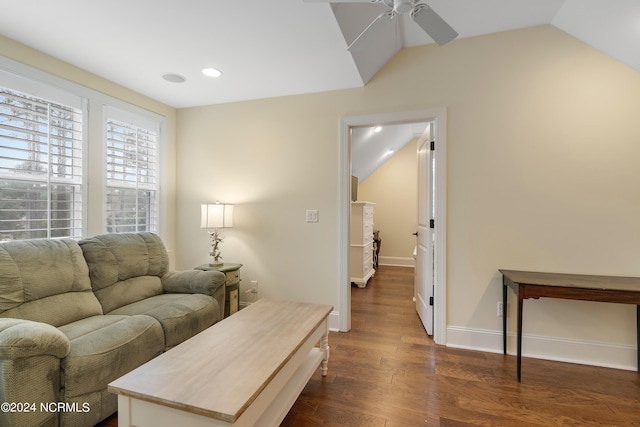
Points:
(181, 315)
(103, 348)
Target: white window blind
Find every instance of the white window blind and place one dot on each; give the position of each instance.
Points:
(41, 186)
(132, 173)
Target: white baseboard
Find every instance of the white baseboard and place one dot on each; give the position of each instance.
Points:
(549, 348)
(396, 261)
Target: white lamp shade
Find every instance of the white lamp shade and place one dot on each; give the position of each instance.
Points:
(216, 215)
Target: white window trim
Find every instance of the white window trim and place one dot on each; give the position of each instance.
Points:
(127, 117)
(49, 97)
(98, 102)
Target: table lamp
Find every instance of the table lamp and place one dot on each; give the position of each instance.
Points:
(215, 216)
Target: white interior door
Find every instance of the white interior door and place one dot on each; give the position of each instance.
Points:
(425, 241)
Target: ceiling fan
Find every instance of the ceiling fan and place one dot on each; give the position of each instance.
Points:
(430, 22)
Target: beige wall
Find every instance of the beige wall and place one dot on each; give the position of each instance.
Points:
(393, 187)
(542, 175)
(35, 59)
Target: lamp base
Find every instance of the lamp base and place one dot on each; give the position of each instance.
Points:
(216, 264)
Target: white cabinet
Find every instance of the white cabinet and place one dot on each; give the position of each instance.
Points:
(361, 252)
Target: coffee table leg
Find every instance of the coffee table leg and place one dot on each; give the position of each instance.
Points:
(324, 347)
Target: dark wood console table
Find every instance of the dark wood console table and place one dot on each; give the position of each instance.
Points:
(527, 284)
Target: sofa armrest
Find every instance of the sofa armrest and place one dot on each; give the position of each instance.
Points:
(193, 282)
(24, 338)
(30, 354)
(196, 282)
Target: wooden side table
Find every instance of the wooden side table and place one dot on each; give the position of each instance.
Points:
(232, 285)
(582, 287)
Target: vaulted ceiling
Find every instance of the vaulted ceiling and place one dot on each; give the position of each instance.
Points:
(274, 48)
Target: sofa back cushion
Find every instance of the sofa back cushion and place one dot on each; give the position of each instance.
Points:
(125, 267)
(45, 281)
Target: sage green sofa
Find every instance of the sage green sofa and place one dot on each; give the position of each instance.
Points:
(75, 316)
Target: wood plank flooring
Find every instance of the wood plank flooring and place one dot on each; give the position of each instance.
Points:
(386, 372)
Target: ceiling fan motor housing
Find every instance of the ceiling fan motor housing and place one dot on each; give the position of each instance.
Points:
(399, 6)
(425, 17)
(402, 6)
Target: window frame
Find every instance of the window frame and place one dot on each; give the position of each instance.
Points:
(94, 179)
(34, 107)
(139, 122)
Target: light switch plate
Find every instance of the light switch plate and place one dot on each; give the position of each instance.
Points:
(312, 215)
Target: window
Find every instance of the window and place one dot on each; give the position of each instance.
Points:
(41, 186)
(74, 162)
(132, 173)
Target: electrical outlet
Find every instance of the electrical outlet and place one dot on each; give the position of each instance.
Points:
(500, 309)
(254, 287)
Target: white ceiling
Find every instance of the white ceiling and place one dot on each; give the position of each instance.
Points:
(268, 48)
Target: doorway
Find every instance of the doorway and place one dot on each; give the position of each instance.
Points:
(437, 117)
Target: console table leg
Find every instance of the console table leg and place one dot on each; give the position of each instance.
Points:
(519, 338)
(324, 346)
(504, 318)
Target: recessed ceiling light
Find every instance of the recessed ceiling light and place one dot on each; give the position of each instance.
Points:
(174, 78)
(211, 72)
(377, 128)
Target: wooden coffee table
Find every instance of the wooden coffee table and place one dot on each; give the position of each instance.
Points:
(246, 370)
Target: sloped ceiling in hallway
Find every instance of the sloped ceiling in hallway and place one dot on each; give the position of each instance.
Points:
(372, 146)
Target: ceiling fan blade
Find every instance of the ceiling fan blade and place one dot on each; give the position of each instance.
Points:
(433, 24)
(382, 19)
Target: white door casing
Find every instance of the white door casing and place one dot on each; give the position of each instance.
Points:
(438, 117)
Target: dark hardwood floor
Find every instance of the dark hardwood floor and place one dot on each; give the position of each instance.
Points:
(387, 372)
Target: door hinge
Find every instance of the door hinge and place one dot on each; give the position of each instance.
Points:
(432, 223)
(430, 300)
(433, 145)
